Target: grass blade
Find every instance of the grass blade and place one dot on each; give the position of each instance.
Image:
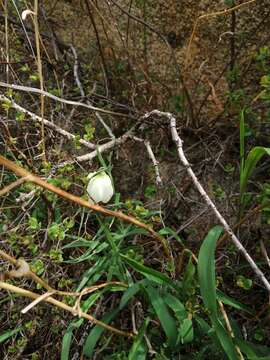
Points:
(95, 334)
(138, 350)
(207, 281)
(167, 321)
(251, 161)
(7, 334)
(151, 274)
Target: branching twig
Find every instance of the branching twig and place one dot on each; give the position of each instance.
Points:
(79, 84)
(101, 148)
(11, 186)
(183, 159)
(75, 71)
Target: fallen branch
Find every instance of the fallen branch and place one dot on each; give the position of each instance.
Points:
(228, 229)
(152, 158)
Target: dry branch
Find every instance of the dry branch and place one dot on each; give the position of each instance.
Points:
(48, 123)
(60, 304)
(70, 197)
(56, 98)
(228, 229)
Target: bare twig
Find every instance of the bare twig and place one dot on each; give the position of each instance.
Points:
(152, 158)
(228, 229)
(48, 123)
(79, 84)
(41, 80)
(229, 328)
(103, 62)
(106, 127)
(56, 98)
(154, 161)
(75, 71)
(41, 298)
(101, 148)
(62, 305)
(264, 252)
(11, 186)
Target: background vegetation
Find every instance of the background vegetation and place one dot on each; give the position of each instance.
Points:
(153, 274)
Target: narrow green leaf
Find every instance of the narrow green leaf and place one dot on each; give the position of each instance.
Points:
(151, 274)
(138, 350)
(186, 333)
(227, 300)
(75, 324)
(130, 293)
(177, 307)
(98, 268)
(250, 351)
(207, 280)
(167, 321)
(7, 334)
(96, 332)
(251, 161)
(206, 270)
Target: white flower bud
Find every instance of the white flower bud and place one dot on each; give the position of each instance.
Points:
(100, 187)
(25, 13)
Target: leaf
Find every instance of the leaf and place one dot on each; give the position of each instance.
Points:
(129, 293)
(206, 270)
(138, 350)
(96, 333)
(169, 231)
(185, 331)
(177, 307)
(151, 274)
(227, 300)
(7, 334)
(251, 161)
(168, 323)
(97, 269)
(250, 351)
(75, 324)
(207, 280)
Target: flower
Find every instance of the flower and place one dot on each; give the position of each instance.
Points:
(100, 187)
(25, 13)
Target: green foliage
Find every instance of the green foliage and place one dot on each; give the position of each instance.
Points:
(150, 191)
(248, 164)
(89, 132)
(243, 282)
